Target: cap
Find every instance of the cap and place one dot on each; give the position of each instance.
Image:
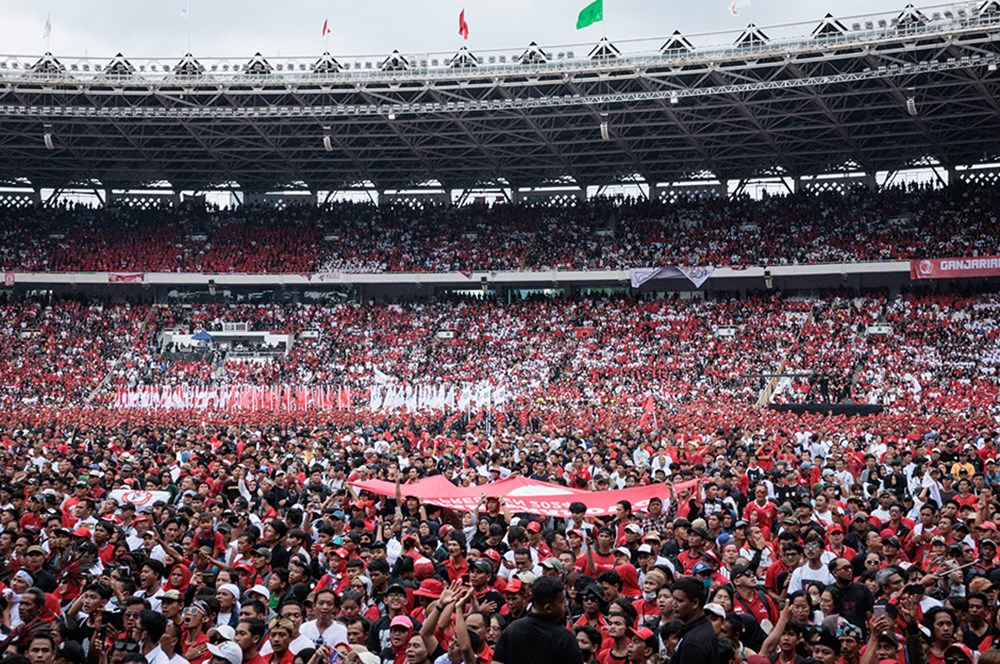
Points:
(835, 528)
(846, 630)
(956, 648)
(35, 549)
(396, 589)
(262, 551)
(644, 634)
(226, 632)
(633, 528)
(860, 516)
(483, 566)
(739, 570)
(71, 651)
(790, 521)
(533, 527)
(985, 525)
(431, 588)
(513, 586)
(170, 596)
(228, 651)
(552, 563)
(644, 549)
(623, 550)
(655, 536)
(401, 621)
(701, 568)
(339, 515)
(715, 610)
(261, 590)
(230, 588)
(701, 532)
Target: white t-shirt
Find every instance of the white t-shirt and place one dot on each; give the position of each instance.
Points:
(331, 636)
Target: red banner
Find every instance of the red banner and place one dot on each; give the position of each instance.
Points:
(524, 495)
(126, 277)
(955, 268)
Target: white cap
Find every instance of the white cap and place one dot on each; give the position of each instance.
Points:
(715, 609)
(261, 590)
(228, 651)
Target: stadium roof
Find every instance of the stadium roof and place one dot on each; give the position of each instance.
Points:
(877, 92)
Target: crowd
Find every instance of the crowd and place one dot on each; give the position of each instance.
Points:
(173, 537)
(893, 224)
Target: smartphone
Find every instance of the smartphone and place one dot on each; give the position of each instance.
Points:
(879, 611)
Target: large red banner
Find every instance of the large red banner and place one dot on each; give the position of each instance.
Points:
(524, 495)
(955, 268)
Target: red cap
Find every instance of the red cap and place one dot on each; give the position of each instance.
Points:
(835, 528)
(642, 633)
(513, 586)
(492, 555)
(429, 588)
(533, 527)
(423, 568)
(81, 532)
(988, 525)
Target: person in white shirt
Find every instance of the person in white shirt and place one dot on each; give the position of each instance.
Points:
(168, 643)
(324, 626)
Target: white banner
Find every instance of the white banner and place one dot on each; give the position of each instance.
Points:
(252, 398)
(443, 397)
(697, 274)
(143, 500)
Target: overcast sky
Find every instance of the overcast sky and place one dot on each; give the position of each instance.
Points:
(155, 28)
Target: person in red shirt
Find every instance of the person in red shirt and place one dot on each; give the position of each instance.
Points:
(693, 554)
(457, 564)
(249, 634)
(751, 599)
(835, 542)
(761, 511)
(279, 634)
(602, 559)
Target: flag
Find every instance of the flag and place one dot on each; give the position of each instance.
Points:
(326, 26)
(48, 26)
(648, 412)
(736, 5)
(590, 14)
(463, 27)
(185, 8)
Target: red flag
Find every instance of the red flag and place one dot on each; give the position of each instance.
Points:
(326, 27)
(649, 412)
(463, 27)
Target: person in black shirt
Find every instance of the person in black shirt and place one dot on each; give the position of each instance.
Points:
(541, 636)
(858, 599)
(698, 643)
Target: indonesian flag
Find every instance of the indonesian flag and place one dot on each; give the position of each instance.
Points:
(126, 277)
(649, 411)
(326, 26)
(736, 5)
(463, 27)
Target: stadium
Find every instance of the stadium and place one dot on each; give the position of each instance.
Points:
(260, 295)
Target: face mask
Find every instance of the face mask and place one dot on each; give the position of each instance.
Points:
(707, 583)
(649, 597)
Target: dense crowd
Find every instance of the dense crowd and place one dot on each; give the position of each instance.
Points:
(601, 234)
(800, 539)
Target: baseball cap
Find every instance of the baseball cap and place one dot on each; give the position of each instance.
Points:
(483, 566)
(513, 586)
(701, 568)
(71, 651)
(170, 596)
(228, 651)
(35, 549)
(396, 589)
(715, 610)
(552, 563)
(262, 551)
(646, 635)
(624, 551)
(533, 527)
(835, 528)
(401, 621)
(431, 588)
(644, 548)
(633, 528)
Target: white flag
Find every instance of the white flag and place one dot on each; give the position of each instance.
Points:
(184, 9)
(48, 26)
(736, 5)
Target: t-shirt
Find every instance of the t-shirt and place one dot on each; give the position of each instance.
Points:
(536, 640)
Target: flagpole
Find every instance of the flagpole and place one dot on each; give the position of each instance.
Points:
(48, 32)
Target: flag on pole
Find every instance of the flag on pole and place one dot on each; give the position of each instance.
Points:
(326, 26)
(736, 5)
(463, 27)
(590, 14)
(185, 9)
(48, 26)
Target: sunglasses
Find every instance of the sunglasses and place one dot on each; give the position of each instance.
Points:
(127, 646)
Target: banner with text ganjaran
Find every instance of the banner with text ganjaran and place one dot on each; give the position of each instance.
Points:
(955, 268)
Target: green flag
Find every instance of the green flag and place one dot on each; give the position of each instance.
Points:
(590, 14)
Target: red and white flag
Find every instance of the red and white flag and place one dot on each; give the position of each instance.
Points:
(463, 27)
(736, 5)
(326, 26)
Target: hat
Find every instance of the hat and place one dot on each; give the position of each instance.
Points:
(483, 566)
(652, 536)
(363, 653)
(963, 649)
(633, 528)
(401, 621)
(644, 548)
(740, 524)
(423, 568)
(170, 596)
(846, 630)
(938, 539)
(835, 528)
(71, 651)
(890, 637)
(980, 584)
(701, 532)
(985, 525)
(339, 515)
(231, 589)
(228, 651)
(396, 589)
(205, 550)
(261, 590)
(81, 532)
(593, 589)
(701, 568)
(513, 586)
(533, 527)
(201, 606)
(644, 634)
(790, 521)
(553, 563)
(624, 550)
(34, 549)
(431, 588)
(262, 551)
(860, 516)
(739, 570)
(715, 610)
